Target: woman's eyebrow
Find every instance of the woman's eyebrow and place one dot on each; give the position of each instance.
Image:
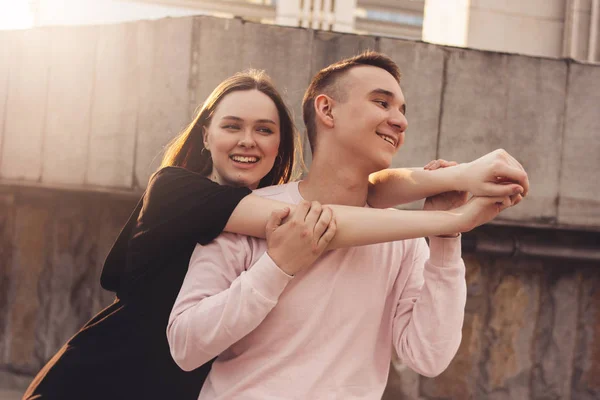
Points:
(258, 121)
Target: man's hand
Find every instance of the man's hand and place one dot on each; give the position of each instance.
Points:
(495, 174)
(480, 210)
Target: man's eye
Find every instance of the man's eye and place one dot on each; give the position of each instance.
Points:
(382, 103)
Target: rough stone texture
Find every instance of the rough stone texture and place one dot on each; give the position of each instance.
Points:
(458, 381)
(532, 327)
(82, 232)
(164, 60)
(6, 255)
(556, 333)
(70, 86)
(498, 101)
(579, 204)
(29, 261)
(114, 108)
(12, 386)
(10, 394)
(25, 109)
(586, 367)
(50, 285)
(509, 331)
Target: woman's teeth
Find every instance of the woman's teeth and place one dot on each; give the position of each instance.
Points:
(244, 159)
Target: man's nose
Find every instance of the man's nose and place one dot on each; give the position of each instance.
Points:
(398, 121)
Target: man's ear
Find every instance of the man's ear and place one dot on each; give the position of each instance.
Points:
(324, 110)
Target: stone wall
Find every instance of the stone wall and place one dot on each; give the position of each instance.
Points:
(531, 331)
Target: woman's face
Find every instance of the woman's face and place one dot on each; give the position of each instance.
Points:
(243, 138)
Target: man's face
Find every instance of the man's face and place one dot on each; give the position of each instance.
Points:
(371, 122)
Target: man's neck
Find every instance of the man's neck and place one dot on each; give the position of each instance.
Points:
(335, 182)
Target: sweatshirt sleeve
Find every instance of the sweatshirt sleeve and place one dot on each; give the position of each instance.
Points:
(429, 315)
(221, 300)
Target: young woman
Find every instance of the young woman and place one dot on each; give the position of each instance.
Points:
(242, 139)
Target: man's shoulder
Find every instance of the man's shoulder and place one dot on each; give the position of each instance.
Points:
(278, 192)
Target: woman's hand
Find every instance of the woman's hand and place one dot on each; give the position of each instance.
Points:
(495, 174)
(297, 242)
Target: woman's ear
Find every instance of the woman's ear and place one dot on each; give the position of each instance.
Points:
(324, 107)
(205, 138)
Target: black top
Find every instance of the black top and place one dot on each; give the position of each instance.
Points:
(122, 353)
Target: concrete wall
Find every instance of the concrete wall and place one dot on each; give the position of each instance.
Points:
(91, 107)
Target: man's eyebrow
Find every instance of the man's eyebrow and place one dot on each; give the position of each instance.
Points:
(387, 93)
(383, 92)
(260, 121)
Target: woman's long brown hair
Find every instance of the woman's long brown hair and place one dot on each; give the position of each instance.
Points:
(186, 149)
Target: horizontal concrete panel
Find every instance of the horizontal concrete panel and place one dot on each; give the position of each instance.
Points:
(422, 67)
(534, 126)
(579, 190)
(70, 86)
(512, 102)
(114, 108)
(164, 59)
(25, 108)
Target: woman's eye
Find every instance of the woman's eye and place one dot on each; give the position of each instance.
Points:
(265, 130)
(231, 127)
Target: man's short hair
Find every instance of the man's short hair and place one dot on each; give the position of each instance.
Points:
(326, 82)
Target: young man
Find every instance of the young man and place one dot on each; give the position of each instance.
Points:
(286, 331)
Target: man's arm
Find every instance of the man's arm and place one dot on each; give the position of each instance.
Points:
(495, 174)
(222, 299)
(220, 302)
(427, 326)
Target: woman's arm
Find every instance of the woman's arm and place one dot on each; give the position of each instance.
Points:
(359, 226)
(495, 174)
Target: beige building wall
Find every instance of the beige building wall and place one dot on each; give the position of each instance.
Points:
(545, 28)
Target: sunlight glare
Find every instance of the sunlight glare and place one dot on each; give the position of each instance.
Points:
(15, 14)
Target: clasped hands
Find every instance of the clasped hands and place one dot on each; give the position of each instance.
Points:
(497, 181)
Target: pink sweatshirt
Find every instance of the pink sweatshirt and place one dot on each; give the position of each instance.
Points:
(326, 333)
